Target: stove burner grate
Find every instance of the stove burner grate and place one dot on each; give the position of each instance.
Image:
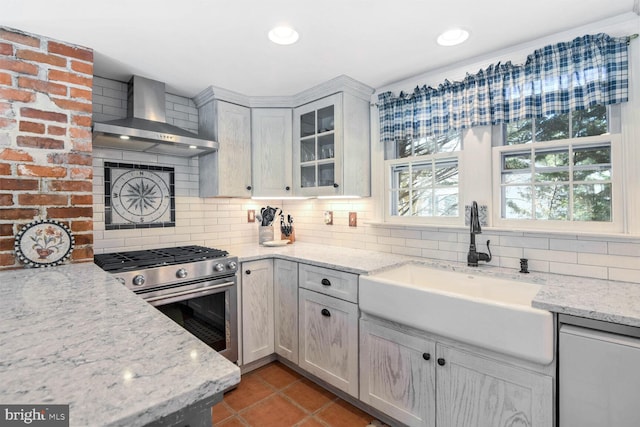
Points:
(121, 261)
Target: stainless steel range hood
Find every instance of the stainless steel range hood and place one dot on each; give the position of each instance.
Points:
(145, 128)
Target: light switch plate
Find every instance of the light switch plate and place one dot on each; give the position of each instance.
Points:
(251, 215)
(353, 219)
(328, 217)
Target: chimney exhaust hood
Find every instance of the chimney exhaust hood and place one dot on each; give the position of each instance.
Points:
(145, 128)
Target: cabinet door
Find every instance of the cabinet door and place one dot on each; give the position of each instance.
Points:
(271, 130)
(329, 339)
(397, 374)
(317, 147)
(475, 391)
(285, 282)
(257, 310)
(227, 171)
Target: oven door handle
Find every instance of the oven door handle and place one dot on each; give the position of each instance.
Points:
(200, 292)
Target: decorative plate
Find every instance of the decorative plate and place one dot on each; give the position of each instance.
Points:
(44, 243)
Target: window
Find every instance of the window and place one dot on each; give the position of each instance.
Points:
(422, 177)
(560, 169)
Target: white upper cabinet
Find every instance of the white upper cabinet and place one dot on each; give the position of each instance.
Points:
(271, 138)
(331, 147)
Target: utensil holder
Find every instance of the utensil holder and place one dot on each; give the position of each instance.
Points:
(265, 233)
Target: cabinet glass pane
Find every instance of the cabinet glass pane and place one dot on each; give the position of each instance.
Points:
(308, 150)
(325, 147)
(326, 175)
(308, 124)
(308, 176)
(325, 119)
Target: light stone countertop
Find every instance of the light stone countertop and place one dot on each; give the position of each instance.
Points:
(73, 335)
(610, 301)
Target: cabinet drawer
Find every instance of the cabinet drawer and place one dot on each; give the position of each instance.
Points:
(329, 282)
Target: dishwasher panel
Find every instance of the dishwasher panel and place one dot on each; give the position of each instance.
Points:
(599, 378)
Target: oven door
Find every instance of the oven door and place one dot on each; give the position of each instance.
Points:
(205, 309)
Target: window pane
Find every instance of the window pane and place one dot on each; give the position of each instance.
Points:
(517, 161)
(423, 146)
(403, 148)
(422, 176)
(447, 175)
(592, 155)
(552, 202)
(602, 173)
(552, 176)
(449, 143)
(517, 202)
(552, 127)
(552, 158)
(589, 122)
(520, 132)
(516, 178)
(446, 201)
(422, 203)
(403, 204)
(592, 202)
(400, 176)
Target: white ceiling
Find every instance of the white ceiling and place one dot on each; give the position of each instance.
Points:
(192, 44)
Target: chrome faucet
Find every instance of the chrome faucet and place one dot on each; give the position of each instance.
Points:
(474, 228)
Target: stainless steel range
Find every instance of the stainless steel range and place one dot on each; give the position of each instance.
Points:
(193, 285)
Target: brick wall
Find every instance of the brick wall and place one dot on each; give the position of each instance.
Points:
(45, 139)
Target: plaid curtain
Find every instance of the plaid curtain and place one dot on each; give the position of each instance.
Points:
(568, 76)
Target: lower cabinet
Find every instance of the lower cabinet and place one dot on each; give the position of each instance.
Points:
(257, 310)
(329, 339)
(421, 382)
(285, 291)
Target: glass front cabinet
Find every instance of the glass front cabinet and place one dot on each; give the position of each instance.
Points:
(331, 153)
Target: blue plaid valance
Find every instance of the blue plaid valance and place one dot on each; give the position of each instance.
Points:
(590, 70)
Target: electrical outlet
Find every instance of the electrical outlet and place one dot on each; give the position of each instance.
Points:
(328, 217)
(251, 215)
(353, 219)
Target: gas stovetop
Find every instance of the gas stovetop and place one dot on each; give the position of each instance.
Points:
(149, 258)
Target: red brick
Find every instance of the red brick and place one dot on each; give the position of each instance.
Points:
(19, 37)
(42, 171)
(70, 159)
(42, 200)
(18, 66)
(82, 173)
(82, 146)
(7, 259)
(73, 105)
(80, 226)
(6, 199)
(81, 121)
(82, 67)
(31, 127)
(64, 76)
(42, 86)
(6, 109)
(5, 79)
(15, 155)
(81, 199)
(83, 239)
(5, 169)
(18, 184)
(18, 213)
(60, 185)
(6, 49)
(33, 113)
(31, 55)
(82, 254)
(6, 230)
(80, 133)
(40, 142)
(17, 95)
(72, 212)
(56, 130)
(71, 51)
(81, 93)
(7, 123)
(7, 244)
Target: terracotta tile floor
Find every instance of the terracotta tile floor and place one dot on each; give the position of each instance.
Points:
(276, 396)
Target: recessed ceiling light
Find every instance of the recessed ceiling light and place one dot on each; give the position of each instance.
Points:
(124, 137)
(283, 35)
(193, 147)
(453, 37)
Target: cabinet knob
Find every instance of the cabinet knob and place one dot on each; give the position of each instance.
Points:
(325, 312)
(441, 361)
(336, 185)
(247, 272)
(325, 282)
(249, 187)
(287, 188)
(426, 356)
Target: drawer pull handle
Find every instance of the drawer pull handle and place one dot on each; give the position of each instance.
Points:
(441, 361)
(426, 356)
(325, 282)
(248, 272)
(325, 312)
